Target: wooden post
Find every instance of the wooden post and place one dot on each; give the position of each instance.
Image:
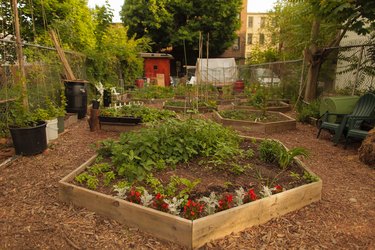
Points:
(94, 120)
(19, 51)
(68, 70)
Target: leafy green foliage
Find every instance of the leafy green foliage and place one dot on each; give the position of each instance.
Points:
(286, 156)
(272, 151)
(146, 113)
(238, 169)
(268, 151)
(91, 181)
(166, 144)
(307, 111)
(309, 177)
(171, 22)
(153, 92)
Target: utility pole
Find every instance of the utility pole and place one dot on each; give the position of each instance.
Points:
(21, 63)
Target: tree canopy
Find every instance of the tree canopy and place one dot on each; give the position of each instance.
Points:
(173, 22)
(314, 25)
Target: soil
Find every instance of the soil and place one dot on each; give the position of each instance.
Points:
(32, 217)
(221, 178)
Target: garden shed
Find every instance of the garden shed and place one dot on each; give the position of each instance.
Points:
(157, 68)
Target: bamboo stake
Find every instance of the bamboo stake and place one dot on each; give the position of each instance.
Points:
(207, 52)
(20, 59)
(68, 70)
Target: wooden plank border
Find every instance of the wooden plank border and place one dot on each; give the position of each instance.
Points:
(263, 127)
(160, 224)
(190, 234)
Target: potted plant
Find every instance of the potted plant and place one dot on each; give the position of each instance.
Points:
(27, 130)
(50, 114)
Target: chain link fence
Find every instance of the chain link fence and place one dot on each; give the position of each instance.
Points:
(355, 69)
(44, 78)
(283, 78)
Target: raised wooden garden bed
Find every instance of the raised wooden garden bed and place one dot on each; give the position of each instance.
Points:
(285, 123)
(119, 124)
(272, 106)
(188, 233)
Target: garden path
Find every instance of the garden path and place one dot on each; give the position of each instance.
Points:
(32, 217)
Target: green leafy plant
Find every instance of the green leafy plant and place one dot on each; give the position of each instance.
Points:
(146, 113)
(309, 177)
(90, 180)
(269, 150)
(287, 156)
(109, 177)
(139, 153)
(305, 111)
(272, 151)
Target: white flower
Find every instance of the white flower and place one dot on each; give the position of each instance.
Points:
(146, 198)
(210, 202)
(121, 191)
(266, 191)
(240, 195)
(174, 205)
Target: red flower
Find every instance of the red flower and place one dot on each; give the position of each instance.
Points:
(226, 202)
(278, 189)
(193, 210)
(252, 195)
(159, 203)
(134, 196)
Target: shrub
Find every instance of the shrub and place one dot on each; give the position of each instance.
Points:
(305, 111)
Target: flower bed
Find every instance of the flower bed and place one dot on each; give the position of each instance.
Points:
(158, 190)
(252, 120)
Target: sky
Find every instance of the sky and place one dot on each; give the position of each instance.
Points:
(252, 6)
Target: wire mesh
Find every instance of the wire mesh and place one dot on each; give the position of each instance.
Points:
(44, 78)
(283, 77)
(355, 69)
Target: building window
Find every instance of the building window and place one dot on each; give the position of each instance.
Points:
(236, 45)
(262, 22)
(155, 67)
(261, 38)
(249, 38)
(250, 20)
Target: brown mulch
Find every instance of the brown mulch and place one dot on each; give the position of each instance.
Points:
(32, 217)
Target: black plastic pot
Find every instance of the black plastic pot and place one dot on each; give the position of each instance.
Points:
(123, 120)
(29, 140)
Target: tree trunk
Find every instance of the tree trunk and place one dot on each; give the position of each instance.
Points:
(312, 81)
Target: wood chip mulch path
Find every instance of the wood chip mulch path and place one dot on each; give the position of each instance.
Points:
(32, 217)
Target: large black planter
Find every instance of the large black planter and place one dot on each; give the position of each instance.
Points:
(29, 140)
(76, 97)
(123, 120)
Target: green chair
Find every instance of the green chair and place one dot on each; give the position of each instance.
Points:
(363, 110)
(355, 132)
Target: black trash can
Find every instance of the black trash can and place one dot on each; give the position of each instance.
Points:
(76, 97)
